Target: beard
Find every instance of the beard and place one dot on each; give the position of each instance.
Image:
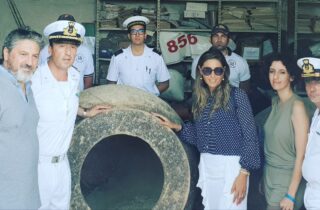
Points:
(24, 73)
(221, 47)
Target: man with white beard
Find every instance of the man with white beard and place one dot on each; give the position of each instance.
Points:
(19, 147)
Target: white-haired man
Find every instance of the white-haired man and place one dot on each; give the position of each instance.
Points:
(19, 147)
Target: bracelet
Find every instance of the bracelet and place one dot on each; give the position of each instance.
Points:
(288, 196)
(244, 171)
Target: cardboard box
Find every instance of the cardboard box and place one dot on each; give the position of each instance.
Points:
(174, 16)
(197, 6)
(194, 14)
(165, 24)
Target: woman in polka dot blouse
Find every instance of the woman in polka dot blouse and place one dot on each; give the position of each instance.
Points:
(224, 132)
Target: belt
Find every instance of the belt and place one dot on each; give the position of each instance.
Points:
(52, 159)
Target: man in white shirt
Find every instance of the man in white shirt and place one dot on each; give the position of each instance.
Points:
(83, 61)
(310, 170)
(138, 65)
(55, 85)
(239, 68)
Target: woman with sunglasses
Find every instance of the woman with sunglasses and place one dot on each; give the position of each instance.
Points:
(286, 133)
(224, 132)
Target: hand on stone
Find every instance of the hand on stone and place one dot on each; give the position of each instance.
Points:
(166, 122)
(97, 109)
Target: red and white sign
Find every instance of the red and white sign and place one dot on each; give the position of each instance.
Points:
(175, 46)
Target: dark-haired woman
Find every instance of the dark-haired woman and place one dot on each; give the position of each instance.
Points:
(224, 132)
(285, 138)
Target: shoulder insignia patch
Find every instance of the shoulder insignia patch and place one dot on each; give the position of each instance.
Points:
(156, 51)
(75, 68)
(118, 52)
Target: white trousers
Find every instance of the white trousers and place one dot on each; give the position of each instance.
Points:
(54, 184)
(216, 177)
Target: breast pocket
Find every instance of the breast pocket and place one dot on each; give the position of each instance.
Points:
(149, 76)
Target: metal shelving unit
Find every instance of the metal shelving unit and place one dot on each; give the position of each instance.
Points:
(274, 3)
(215, 5)
(313, 6)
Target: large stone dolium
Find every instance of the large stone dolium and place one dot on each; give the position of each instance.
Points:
(132, 152)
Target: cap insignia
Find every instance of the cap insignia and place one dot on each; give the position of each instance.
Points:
(70, 30)
(307, 67)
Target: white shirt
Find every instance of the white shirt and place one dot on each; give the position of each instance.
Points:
(83, 62)
(239, 69)
(310, 166)
(138, 71)
(57, 103)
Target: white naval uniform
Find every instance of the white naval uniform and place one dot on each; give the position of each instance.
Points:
(138, 71)
(83, 62)
(239, 69)
(57, 103)
(310, 166)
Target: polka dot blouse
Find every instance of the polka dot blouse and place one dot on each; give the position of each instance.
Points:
(226, 132)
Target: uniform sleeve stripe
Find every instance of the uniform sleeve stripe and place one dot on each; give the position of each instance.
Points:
(88, 75)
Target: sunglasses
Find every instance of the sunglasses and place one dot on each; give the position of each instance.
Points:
(137, 31)
(207, 71)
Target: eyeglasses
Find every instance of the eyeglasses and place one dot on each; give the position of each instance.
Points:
(207, 71)
(137, 31)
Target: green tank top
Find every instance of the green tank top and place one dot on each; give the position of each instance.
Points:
(279, 143)
(280, 153)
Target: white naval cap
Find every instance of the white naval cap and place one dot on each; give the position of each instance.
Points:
(65, 30)
(135, 20)
(310, 66)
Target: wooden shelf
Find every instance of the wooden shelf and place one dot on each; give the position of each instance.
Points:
(104, 59)
(308, 2)
(260, 1)
(112, 29)
(184, 30)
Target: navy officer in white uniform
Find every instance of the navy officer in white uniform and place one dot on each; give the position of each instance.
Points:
(310, 170)
(83, 61)
(55, 87)
(138, 65)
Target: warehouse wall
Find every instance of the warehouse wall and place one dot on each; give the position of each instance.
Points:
(38, 13)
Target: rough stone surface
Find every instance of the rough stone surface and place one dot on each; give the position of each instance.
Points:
(131, 116)
(122, 96)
